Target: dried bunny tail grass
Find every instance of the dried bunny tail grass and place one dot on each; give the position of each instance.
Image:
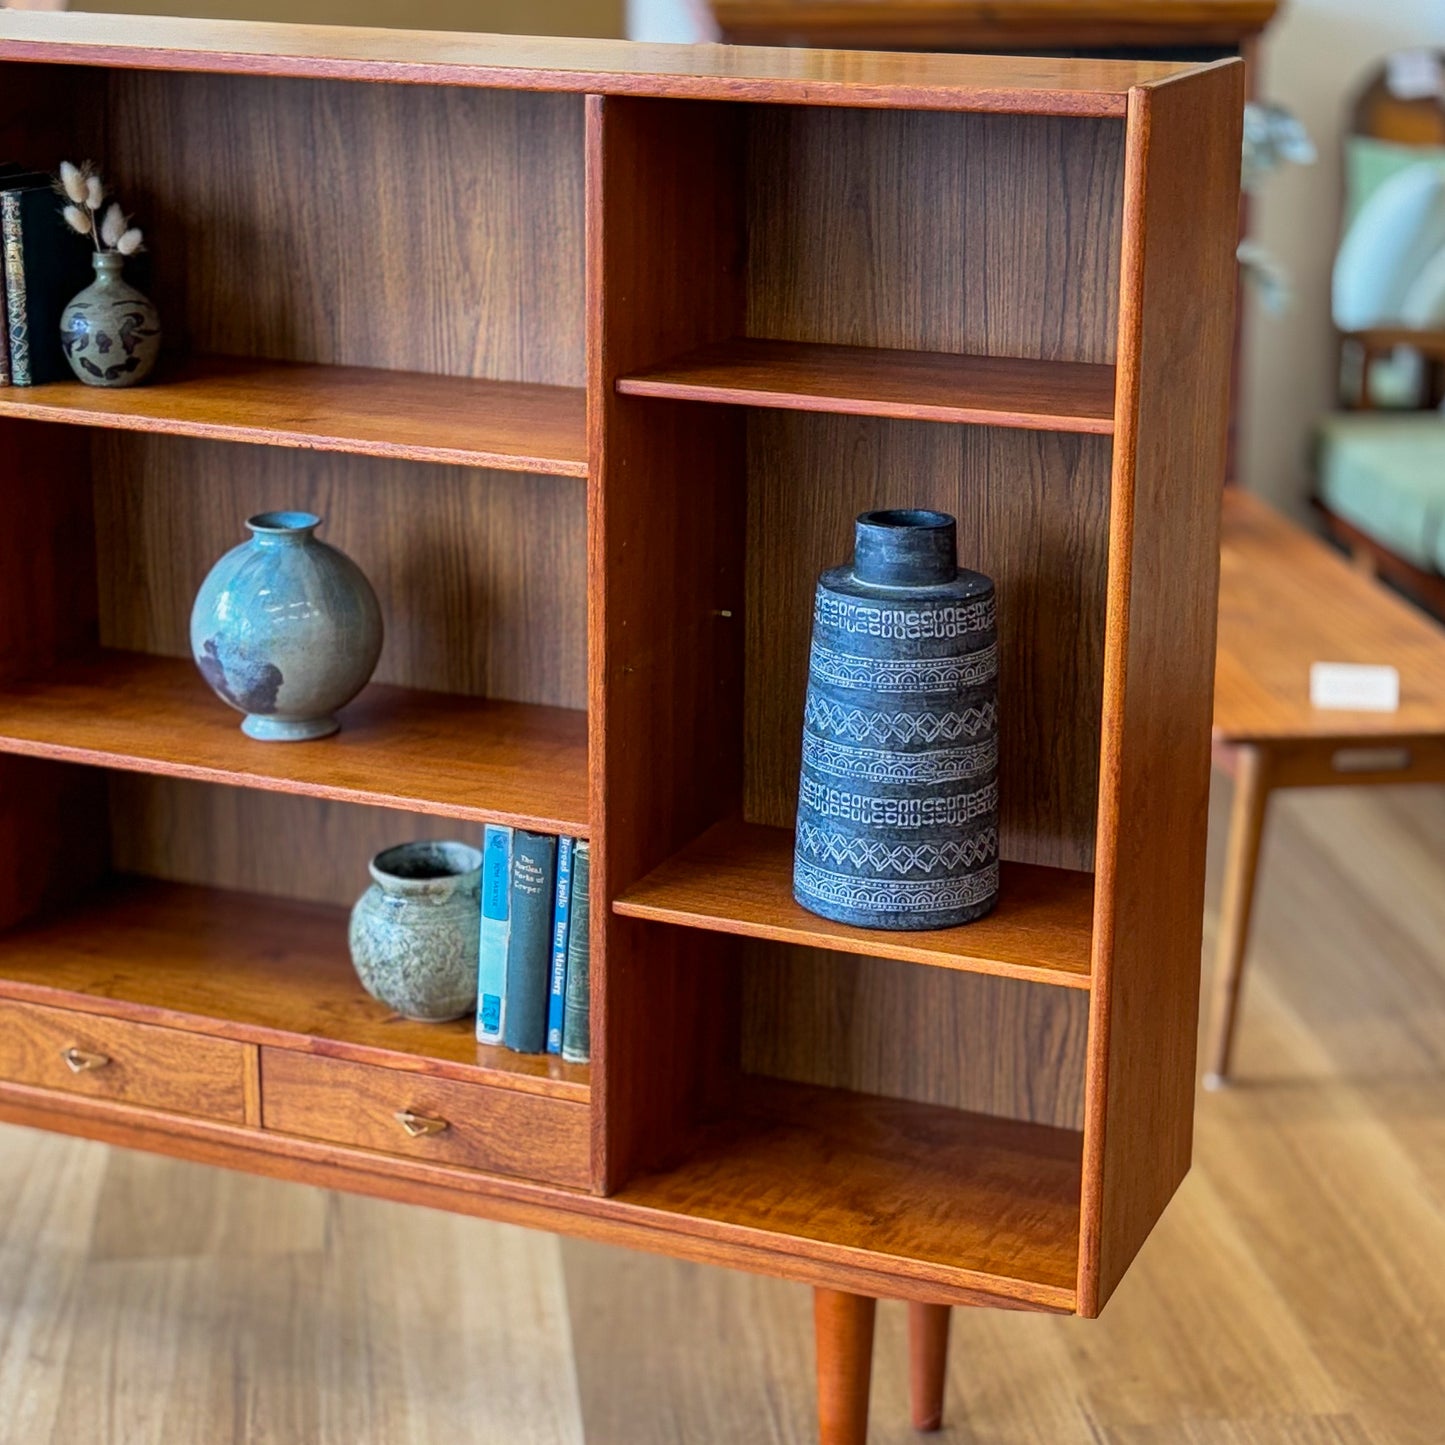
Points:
(130, 242)
(114, 226)
(94, 192)
(77, 220)
(72, 182)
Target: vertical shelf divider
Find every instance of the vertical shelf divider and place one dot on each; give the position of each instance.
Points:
(667, 496)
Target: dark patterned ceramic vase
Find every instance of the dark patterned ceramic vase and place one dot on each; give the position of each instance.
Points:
(110, 331)
(898, 803)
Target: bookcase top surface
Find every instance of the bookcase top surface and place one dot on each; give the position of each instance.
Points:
(1006, 84)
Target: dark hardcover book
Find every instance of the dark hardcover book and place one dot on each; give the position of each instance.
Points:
(45, 264)
(577, 1019)
(529, 947)
(561, 921)
(12, 173)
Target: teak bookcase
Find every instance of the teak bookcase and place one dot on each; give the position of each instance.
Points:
(589, 353)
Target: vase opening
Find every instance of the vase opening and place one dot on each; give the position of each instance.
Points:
(905, 547)
(271, 528)
(107, 263)
(424, 862)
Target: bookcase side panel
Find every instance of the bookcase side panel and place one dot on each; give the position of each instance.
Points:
(1175, 331)
(997, 235)
(416, 228)
(666, 492)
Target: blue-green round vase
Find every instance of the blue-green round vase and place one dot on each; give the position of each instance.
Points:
(415, 932)
(286, 629)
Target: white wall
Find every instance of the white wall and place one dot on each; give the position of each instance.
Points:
(1317, 57)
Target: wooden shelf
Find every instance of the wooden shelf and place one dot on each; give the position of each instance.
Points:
(738, 878)
(869, 381)
(507, 426)
(456, 757)
(241, 966)
(922, 1185)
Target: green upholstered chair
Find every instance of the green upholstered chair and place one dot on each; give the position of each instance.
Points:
(1380, 462)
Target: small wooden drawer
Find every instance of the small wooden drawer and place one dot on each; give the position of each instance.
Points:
(417, 1117)
(130, 1063)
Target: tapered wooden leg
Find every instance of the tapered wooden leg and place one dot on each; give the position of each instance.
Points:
(843, 1324)
(1246, 830)
(927, 1362)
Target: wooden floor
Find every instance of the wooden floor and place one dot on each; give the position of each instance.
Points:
(1294, 1295)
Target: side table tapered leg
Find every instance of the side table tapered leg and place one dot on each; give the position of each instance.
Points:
(843, 1324)
(927, 1362)
(1246, 830)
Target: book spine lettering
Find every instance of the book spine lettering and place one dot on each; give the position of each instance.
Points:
(4, 325)
(557, 993)
(529, 949)
(492, 953)
(577, 1020)
(16, 325)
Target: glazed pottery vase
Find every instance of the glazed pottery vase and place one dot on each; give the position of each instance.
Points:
(286, 629)
(898, 801)
(415, 931)
(110, 332)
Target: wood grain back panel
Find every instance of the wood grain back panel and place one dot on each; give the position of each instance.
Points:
(997, 235)
(1182, 196)
(1032, 512)
(421, 229)
(481, 575)
(990, 1045)
(252, 842)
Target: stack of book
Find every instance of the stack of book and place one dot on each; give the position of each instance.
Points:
(43, 263)
(534, 971)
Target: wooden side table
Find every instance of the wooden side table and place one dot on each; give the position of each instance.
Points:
(1285, 601)
(1106, 27)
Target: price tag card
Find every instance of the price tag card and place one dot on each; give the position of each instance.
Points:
(1354, 687)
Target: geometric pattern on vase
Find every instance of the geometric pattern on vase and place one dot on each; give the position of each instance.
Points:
(898, 792)
(941, 765)
(898, 898)
(868, 725)
(882, 858)
(904, 674)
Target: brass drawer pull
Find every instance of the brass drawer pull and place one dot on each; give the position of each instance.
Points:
(80, 1062)
(417, 1125)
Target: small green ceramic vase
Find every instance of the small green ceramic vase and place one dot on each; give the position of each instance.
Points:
(110, 332)
(415, 931)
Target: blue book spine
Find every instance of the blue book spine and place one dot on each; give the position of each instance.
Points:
(557, 994)
(577, 1018)
(529, 949)
(496, 925)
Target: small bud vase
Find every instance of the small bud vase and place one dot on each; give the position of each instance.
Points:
(286, 629)
(415, 932)
(111, 333)
(898, 799)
